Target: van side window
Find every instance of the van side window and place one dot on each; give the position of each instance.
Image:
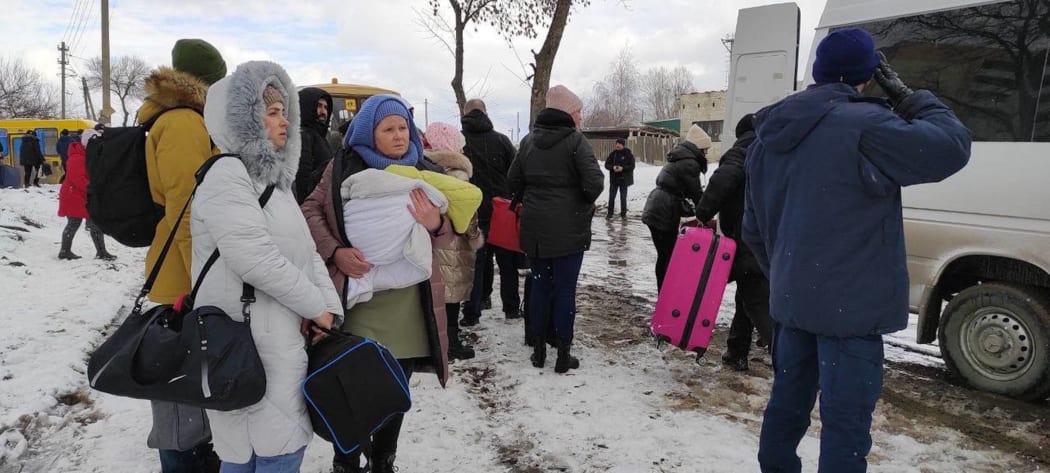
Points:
(989, 63)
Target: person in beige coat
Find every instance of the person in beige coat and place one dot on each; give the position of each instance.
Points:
(457, 257)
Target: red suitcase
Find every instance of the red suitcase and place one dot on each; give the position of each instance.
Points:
(693, 287)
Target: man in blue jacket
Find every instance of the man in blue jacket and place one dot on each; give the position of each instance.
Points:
(823, 217)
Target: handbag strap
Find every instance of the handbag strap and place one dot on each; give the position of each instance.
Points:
(247, 290)
(155, 271)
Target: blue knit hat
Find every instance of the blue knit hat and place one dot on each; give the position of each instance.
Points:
(847, 55)
(360, 137)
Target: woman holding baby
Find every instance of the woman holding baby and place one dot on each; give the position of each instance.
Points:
(410, 321)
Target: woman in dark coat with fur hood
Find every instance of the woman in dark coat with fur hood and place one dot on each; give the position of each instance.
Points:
(678, 189)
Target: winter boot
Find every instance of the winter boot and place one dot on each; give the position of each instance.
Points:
(469, 321)
(346, 468)
(457, 350)
(488, 303)
(565, 361)
(735, 363)
(67, 243)
(539, 352)
(384, 463)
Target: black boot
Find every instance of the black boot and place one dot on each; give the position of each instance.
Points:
(457, 350)
(100, 243)
(565, 360)
(539, 353)
(348, 464)
(383, 463)
(67, 243)
(736, 363)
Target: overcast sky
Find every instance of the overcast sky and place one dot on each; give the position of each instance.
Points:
(381, 43)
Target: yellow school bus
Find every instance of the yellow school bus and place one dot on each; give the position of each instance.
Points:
(12, 131)
(348, 98)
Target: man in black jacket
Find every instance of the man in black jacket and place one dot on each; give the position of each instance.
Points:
(558, 178)
(620, 164)
(490, 152)
(315, 105)
(31, 158)
(725, 196)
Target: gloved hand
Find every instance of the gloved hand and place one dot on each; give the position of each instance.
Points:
(890, 82)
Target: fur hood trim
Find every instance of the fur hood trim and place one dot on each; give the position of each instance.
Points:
(168, 88)
(456, 164)
(234, 115)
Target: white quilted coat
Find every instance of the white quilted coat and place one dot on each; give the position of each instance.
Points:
(379, 224)
(269, 248)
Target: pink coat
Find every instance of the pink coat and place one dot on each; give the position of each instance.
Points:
(72, 197)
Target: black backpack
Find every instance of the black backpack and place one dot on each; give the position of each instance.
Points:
(118, 196)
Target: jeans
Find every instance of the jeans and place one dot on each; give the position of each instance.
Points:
(288, 463)
(554, 283)
(664, 242)
(199, 459)
(613, 188)
(752, 312)
(848, 374)
(384, 441)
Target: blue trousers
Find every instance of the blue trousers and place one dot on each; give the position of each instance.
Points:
(848, 374)
(613, 189)
(288, 463)
(554, 294)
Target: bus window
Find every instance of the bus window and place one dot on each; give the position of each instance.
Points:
(48, 140)
(989, 63)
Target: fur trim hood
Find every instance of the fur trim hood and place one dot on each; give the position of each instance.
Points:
(234, 116)
(167, 88)
(455, 164)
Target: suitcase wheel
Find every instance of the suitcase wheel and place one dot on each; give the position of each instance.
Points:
(699, 354)
(706, 323)
(696, 247)
(676, 313)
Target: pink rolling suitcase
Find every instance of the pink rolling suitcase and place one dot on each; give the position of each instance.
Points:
(693, 288)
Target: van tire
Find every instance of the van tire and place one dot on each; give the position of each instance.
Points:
(996, 337)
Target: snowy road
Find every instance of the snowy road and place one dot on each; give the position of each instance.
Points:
(630, 408)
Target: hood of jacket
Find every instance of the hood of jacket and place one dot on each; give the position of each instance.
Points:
(234, 116)
(455, 164)
(783, 126)
(552, 126)
(308, 98)
(476, 122)
(687, 150)
(167, 88)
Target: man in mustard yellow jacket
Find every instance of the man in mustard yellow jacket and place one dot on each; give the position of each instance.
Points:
(176, 147)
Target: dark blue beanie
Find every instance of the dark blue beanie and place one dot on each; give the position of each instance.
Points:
(847, 55)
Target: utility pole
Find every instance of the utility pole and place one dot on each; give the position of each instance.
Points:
(426, 112)
(517, 119)
(88, 106)
(63, 62)
(107, 111)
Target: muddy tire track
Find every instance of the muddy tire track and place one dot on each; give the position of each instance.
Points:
(920, 402)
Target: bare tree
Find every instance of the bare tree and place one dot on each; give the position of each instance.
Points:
(24, 93)
(662, 88)
(127, 79)
(615, 98)
(464, 13)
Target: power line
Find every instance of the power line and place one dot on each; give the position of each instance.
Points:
(72, 18)
(85, 17)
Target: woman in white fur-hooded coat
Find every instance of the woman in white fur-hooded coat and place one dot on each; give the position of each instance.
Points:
(255, 113)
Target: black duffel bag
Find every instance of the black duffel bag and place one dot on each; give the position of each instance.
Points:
(353, 387)
(199, 357)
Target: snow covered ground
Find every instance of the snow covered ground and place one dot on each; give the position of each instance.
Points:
(630, 408)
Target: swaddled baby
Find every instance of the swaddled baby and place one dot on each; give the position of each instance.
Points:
(379, 224)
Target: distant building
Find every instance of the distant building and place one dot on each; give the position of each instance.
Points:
(707, 109)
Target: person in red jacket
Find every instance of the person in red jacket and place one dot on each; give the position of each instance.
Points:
(72, 202)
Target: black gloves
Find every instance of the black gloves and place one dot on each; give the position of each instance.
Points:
(890, 82)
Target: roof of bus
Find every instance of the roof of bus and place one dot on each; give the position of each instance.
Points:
(22, 124)
(339, 90)
(850, 12)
